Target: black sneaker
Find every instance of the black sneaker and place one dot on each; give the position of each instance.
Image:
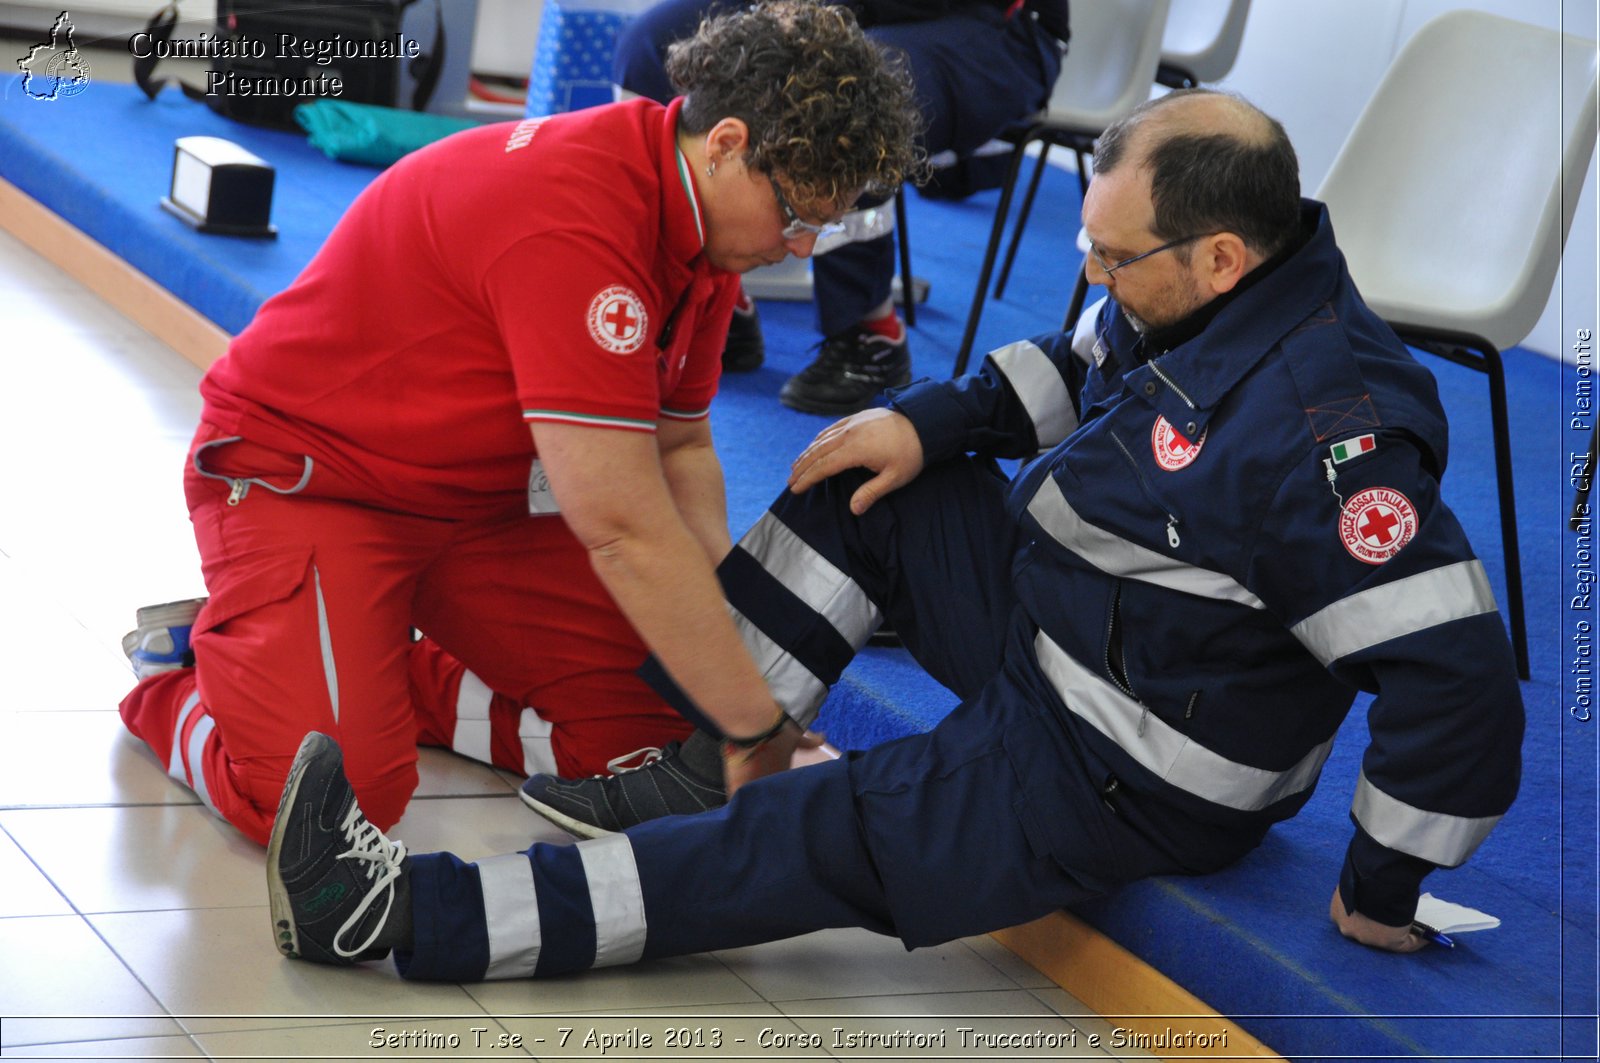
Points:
(332, 876)
(662, 785)
(849, 372)
(745, 349)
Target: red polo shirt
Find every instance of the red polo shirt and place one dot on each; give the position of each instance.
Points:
(549, 269)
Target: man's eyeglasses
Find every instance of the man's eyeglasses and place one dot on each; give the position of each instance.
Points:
(1100, 261)
(795, 226)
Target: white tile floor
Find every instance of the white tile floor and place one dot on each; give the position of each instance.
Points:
(133, 924)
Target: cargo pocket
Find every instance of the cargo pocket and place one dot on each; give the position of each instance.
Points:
(250, 607)
(254, 580)
(1060, 809)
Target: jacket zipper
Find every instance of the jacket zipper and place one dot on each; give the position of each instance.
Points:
(1119, 676)
(1176, 390)
(1149, 492)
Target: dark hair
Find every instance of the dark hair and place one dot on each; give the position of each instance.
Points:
(1213, 181)
(827, 108)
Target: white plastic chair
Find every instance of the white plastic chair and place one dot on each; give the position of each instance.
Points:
(1453, 195)
(1201, 41)
(1109, 70)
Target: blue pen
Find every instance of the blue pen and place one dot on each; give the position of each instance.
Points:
(1432, 935)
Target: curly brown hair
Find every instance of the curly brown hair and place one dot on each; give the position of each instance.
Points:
(830, 110)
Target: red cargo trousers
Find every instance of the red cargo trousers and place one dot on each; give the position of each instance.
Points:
(527, 663)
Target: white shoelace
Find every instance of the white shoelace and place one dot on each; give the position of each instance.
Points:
(383, 864)
(619, 765)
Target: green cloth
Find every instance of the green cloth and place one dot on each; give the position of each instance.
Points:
(373, 136)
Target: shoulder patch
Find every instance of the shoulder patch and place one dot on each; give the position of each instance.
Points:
(1171, 449)
(617, 319)
(1376, 523)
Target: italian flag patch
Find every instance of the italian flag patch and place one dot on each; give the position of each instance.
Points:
(1351, 448)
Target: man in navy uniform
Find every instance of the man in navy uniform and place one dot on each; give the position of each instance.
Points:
(1233, 526)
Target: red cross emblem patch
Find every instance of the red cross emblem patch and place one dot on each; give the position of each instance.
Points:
(1376, 523)
(617, 320)
(1172, 450)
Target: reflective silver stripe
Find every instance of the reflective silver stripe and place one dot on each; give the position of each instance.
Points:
(471, 736)
(1443, 839)
(511, 915)
(326, 639)
(792, 684)
(538, 751)
(1037, 382)
(813, 578)
(197, 763)
(1084, 340)
(1172, 755)
(616, 899)
(1117, 556)
(175, 758)
(1403, 607)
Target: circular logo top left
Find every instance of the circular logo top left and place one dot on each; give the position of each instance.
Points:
(617, 319)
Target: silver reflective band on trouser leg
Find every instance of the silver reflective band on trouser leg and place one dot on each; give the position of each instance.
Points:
(815, 580)
(471, 737)
(1171, 755)
(615, 899)
(1116, 556)
(510, 915)
(1404, 607)
(822, 587)
(792, 684)
(1039, 386)
(1438, 837)
(538, 750)
(197, 761)
(175, 758)
(192, 752)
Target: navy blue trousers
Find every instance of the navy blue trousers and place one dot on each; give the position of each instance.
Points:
(975, 73)
(987, 821)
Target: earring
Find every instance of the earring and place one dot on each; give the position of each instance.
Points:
(711, 168)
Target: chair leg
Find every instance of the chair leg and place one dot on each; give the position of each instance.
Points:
(1080, 292)
(996, 230)
(1508, 506)
(908, 294)
(1022, 221)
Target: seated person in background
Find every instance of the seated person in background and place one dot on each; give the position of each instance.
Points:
(1155, 629)
(481, 411)
(978, 66)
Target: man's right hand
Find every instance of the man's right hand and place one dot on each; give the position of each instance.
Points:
(878, 440)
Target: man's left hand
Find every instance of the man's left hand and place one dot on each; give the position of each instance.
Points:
(1360, 928)
(881, 441)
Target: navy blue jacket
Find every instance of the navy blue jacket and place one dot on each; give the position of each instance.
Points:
(1224, 544)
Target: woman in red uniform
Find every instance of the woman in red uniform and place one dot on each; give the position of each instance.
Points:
(481, 412)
